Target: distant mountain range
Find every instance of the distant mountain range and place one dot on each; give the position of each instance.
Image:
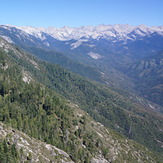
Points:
(114, 38)
(114, 32)
(122, 34)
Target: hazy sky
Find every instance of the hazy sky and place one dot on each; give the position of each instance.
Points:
(58, 13)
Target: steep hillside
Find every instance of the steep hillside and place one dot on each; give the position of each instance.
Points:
(30, 107)
(69, 64)
(103, 104)
(16, 146)
(85, 67)
(148, 73)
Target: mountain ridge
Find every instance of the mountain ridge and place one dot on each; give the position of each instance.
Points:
(95, 32)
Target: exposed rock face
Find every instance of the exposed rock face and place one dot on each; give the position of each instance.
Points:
(99, 160)
(33, 149)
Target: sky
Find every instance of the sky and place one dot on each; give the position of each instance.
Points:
(75, 13)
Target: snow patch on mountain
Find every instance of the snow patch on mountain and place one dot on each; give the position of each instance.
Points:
(37, 32)
(94, 55)
(46, 43)
(8, 39)
(78, 43)
(90, 45)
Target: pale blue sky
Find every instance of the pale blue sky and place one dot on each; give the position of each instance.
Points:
(74, 13)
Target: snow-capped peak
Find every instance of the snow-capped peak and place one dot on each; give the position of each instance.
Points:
(37, 32)
(117, 31)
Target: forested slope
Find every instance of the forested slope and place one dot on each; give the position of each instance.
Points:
(148, 73)
(27, 104)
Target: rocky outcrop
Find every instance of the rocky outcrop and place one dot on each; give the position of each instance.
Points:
(32, 149)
